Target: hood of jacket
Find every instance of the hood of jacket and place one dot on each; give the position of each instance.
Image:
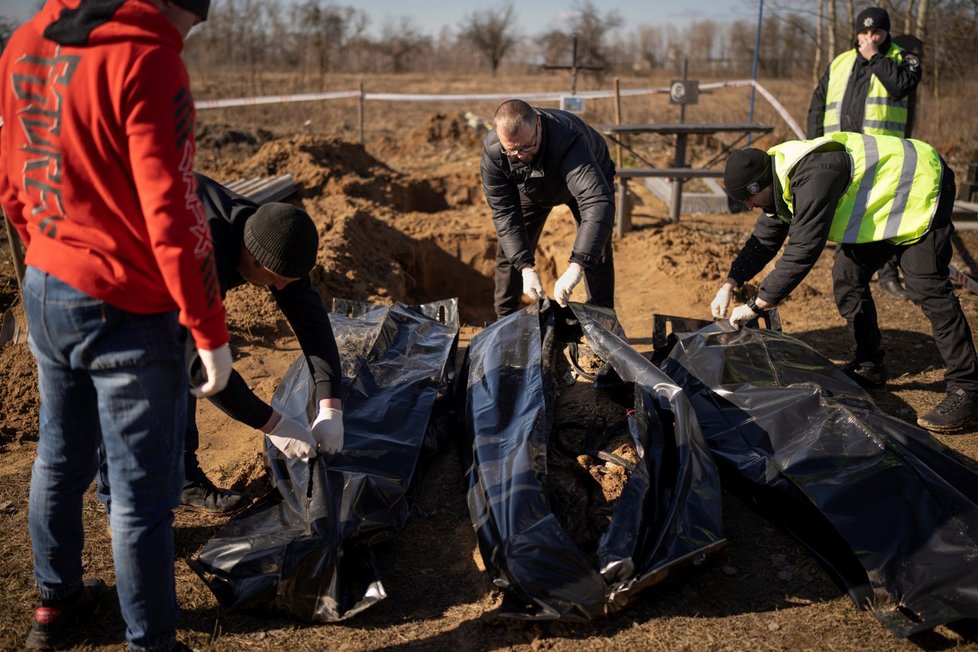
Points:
(103, 22)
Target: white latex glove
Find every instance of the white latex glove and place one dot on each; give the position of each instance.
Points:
(217, 370)
(531, 284)
(327, 430)
(741, 315)
(567, 282)
(721, 302)
(293, 439)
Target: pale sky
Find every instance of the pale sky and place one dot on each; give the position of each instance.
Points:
(533, 17)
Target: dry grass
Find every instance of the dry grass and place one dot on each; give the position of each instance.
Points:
(948, 121)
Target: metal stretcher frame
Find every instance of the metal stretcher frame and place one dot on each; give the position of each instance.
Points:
(617, 134)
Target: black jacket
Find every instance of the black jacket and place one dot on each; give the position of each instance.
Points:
(226, 214)
(819, 180)
(571, 164)
(899, 81)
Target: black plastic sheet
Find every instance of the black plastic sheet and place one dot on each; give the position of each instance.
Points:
(306, 549)
(886, 508)
(668, 516)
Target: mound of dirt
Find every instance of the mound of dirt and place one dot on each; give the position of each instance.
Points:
(319, 165)
(19, 398)
(218, 142)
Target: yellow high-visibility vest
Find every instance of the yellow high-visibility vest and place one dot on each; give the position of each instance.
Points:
(894, 189)
(884, 115)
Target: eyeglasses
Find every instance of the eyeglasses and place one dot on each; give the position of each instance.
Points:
(516, 151)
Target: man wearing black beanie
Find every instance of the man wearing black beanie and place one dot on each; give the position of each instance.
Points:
(273, 245)
(878, 197)
(868, 89)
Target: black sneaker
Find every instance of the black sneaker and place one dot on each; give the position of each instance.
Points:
(869, 375)
(958, 410)
(203, 495)
(53, 622)
(894, 289)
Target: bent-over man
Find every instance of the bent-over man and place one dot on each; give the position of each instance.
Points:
(533, 160)
(878, 197)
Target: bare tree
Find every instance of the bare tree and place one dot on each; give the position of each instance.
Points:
(817, 65)
(401, 42)
(491, 33)
(330, 29)
(908, 18)
(591, 29)
(922, 20)
(851, 10)
(832, 27)
(649, 47)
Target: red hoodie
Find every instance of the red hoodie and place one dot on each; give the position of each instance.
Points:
(96, 160)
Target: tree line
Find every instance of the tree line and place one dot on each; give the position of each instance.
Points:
(799, 37)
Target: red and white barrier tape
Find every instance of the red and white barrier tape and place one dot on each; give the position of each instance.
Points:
(488, 97)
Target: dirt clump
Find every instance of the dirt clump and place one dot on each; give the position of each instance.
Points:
(591, 453)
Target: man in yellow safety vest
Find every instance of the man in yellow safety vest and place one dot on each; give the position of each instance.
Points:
(868, 89)
(877, 197)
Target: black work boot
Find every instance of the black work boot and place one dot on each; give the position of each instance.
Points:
(54, 619)
(894, 288)
(868, 374)
(200, 493)
(958, 410)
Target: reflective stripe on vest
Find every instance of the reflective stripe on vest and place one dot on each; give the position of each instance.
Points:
(883, 115)
(893, 192)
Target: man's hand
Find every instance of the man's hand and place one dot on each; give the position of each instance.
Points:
(567, 282)
(720, 303)
(217, 370)
(741, 315)
(327, 430)
(868, 46)
(293, 439)
(531, 284)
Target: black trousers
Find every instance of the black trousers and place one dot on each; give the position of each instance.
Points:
(890, 271)
(925, 273)
(599, 279)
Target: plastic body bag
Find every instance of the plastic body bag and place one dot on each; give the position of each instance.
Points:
(888, 510)
(305, 550)
(668, 516)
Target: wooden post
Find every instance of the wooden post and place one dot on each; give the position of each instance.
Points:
(676, 199)
(574, 67)
(360, 112)
(622, 218)
(16, 252)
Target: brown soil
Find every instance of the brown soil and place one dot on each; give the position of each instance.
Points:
(404, 220)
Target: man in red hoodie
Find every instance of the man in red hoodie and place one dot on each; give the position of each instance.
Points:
(96, 175)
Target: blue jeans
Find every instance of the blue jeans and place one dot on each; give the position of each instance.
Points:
(113, 378)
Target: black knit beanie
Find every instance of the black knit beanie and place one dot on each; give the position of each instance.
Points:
(282, 238)
(873, 18)
(199, 7)
(748, 172)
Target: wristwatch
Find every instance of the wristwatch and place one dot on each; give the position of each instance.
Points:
(752, 304)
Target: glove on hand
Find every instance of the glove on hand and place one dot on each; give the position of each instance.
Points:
(567, 282)
(327, 430)
(721, 302)
(741, 315)
(531, 284)
(293, 439)
(217, 370)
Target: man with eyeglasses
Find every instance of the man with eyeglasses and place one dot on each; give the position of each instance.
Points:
(535, 159)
